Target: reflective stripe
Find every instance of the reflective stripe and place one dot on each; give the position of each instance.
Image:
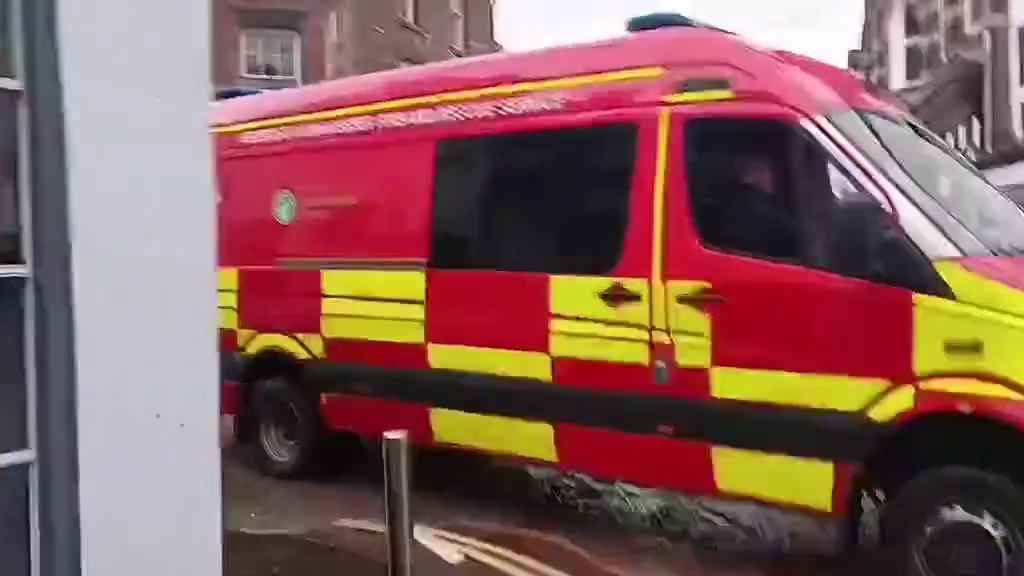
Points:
(534, 440)
(448, 98)
(371, 309)
(659, 309)
(314, 343)
(512, 363)
(599, 349)
(774, 478)
(580, 297)
(373, 329)
(690, 325)
(822, 391)
(227, 279)
(597, 329)
(955, 338)
(970, 387)
(692, 351)
(407, 285)
(227, 300)
(699, 96)
(244, 337)
(228, 319)
(893, 404)
(973, 288)
(279, 343)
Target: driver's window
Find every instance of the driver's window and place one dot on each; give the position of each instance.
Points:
(766, 190)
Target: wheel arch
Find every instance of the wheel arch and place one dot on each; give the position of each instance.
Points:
(942, 421)
(268, 356)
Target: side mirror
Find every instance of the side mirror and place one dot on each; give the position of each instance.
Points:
(862, 229)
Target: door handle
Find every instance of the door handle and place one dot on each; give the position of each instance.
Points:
(964, 347)
(700, 298)
(618, 295)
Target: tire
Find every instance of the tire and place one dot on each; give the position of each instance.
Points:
(958, 522)
(287, 433)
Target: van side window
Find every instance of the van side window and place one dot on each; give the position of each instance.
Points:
(741, 187)
(552, 202)
(765, 189)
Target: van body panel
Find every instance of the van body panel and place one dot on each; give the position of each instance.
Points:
(677, 366)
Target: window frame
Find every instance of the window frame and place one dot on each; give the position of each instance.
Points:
(459, 24)
(332, 41)
(975, 23)
(411, 11)
(917, 227)
(27, 457)
(243, 40)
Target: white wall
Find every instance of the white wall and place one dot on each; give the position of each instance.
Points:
(136, 83)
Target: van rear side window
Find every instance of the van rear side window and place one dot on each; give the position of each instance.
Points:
(553, 202)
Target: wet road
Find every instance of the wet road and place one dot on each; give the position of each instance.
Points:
(465, 495)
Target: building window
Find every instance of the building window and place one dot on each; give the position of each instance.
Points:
(332, 43)
(955, 23)
(411, 11)
(458, 24)
(553, 202)
(17, 453)
(916, 47)
(271, 53)
(977, 11)
(980, 12)
(1020, 46)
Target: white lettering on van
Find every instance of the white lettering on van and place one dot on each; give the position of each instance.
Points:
(521, 106)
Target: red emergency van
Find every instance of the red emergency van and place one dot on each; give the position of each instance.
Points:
(673, 259)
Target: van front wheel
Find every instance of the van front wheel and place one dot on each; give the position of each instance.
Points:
(959, 522)
(287, 427)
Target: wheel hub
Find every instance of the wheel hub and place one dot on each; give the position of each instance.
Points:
(956, 542)
(278, 433)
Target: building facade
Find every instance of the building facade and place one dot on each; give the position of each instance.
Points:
(102, 236)
(282, 43)
(956, 63)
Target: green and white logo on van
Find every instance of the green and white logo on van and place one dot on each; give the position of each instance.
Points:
(286, 207)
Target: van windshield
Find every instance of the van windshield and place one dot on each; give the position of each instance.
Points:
(974, 214)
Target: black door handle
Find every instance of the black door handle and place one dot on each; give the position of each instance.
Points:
(699, 298)
(618, 295)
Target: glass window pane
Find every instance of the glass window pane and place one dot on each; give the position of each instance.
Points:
(977, 10)
(14, 522)
(12, 367)
(6, 40)
(252, 63)
(287, 62)
(10, 230)
(553, 202)
(915, 62)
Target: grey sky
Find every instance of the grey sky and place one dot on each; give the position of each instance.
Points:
(823, 29)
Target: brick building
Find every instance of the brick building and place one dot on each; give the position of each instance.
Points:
(956, 63)
(282, 43)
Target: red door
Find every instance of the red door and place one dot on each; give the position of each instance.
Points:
(758, 316)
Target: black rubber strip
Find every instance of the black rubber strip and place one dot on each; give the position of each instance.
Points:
(803, 432)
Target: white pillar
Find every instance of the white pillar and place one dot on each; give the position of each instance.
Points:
(141, 201)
